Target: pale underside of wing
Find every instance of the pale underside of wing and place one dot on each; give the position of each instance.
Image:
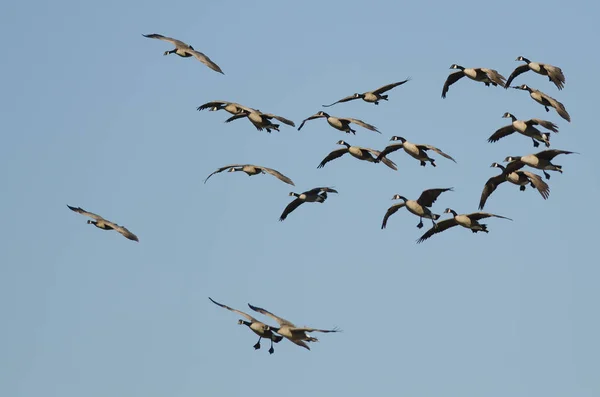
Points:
(280, 321)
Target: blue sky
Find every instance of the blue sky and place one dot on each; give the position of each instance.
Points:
(95, 116)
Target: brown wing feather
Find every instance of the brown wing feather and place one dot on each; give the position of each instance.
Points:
(438, 228)
(428, 197)
(452, 78)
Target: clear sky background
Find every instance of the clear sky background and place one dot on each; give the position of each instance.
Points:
(93, 115)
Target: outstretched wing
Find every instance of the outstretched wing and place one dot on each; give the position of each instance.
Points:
(391, 211)
(388, 87)
(452, 78)
(559, 107)
(175, 42)
(438, 228)
(241, 313)
(428, 197)
(519, 70)
(501, 133)
(306, 329)
(282, 119)
(213, 104)
(314, 116)
(489, 188)
(494, 76)
(86, 213)
(290, 207)
(223, 169)
(362, 124)
(318, 190)
(332, 156)
(347, 99)
(279, 320)
(482, 215)
(438, 151)
(550, 154)
(389, 149)
(544, 123)
(539, 184)
(205, 60)
(276, 174)
(385, 160)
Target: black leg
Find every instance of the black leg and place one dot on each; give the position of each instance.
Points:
(257, 346)
(433, 163)
(547, 175)
(422, 164)
(271, 350)
(535, 144)
(420, 225)
(522, 188)
(546, 107)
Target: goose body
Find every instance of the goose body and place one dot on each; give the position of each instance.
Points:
(185, 51)
(546, 101)
(526, 128)
(541, 160)
(259, 328)
(371, 96)
(554, 73)
(104, 224)
(316, 195)
(358, 152)
(416, 151)
(342, 124)
(468, 221)
(260, 120)
(419, 207)
(296, 335)
(482, 75)
(516, 177)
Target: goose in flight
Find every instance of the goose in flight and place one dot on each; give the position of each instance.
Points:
(482, 75)
(297, 335)
(185, 51)
(416, 151)
(358, 152)
(419, 207)
(545, 100)
(517, 177)
(526, 128)
(371, 96)
(554, 73)
(231, 107)
(259, 328)
(316, 195)
(104, 224)
(469, 221)
(541, 160)
(342, 124)
(251, 170)
(260, 120)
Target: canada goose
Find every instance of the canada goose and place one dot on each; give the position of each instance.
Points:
(371, 96)
(104, 224)
(414, 150)
(259, 328)
(360, 153)
(316, 195)
(554, 73)
(525, 127)
(519, 178)
(541, 161)
(469, 221)
(185, 50)
(260, 120)
(545, 100)
(417, 207)
(297, 335)
(483, 75)
(342, 124)
(231, 107)
(251, 170)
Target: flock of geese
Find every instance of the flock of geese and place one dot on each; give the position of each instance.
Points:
(512, 172)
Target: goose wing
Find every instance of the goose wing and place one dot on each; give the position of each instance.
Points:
(205, 60)
(556, 75)
(438, 151)
(438, 228)
(538, 183)
(241, 313)
(123, 230)
(332, 156)
(215, 104)
(175, 42)
(501, 133)
(86, 213)
(290, 207)
(519, 70)
(314, 116)
(391, 211)
(482, 215)
(514, 166)
(452, 78)
(385, 160)
(280, 321)
(544, 123)
(362, 124)
(307, 329)
(389, 149)
(388, 87)
(346, 99)
(559, 107)
(318, 190)
(223, 169)
(428, 197)
(494, 76)
(282, 119)
(550, 154)
(276, 174)
(489, 188)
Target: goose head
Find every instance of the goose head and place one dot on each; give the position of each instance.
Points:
(397, 138)
(322, 114)
(507, 115)
(450, 211)
(294, 194)
(455, 66)
(523, 87)
(398, 197)
(232, 169)
(342, 142)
